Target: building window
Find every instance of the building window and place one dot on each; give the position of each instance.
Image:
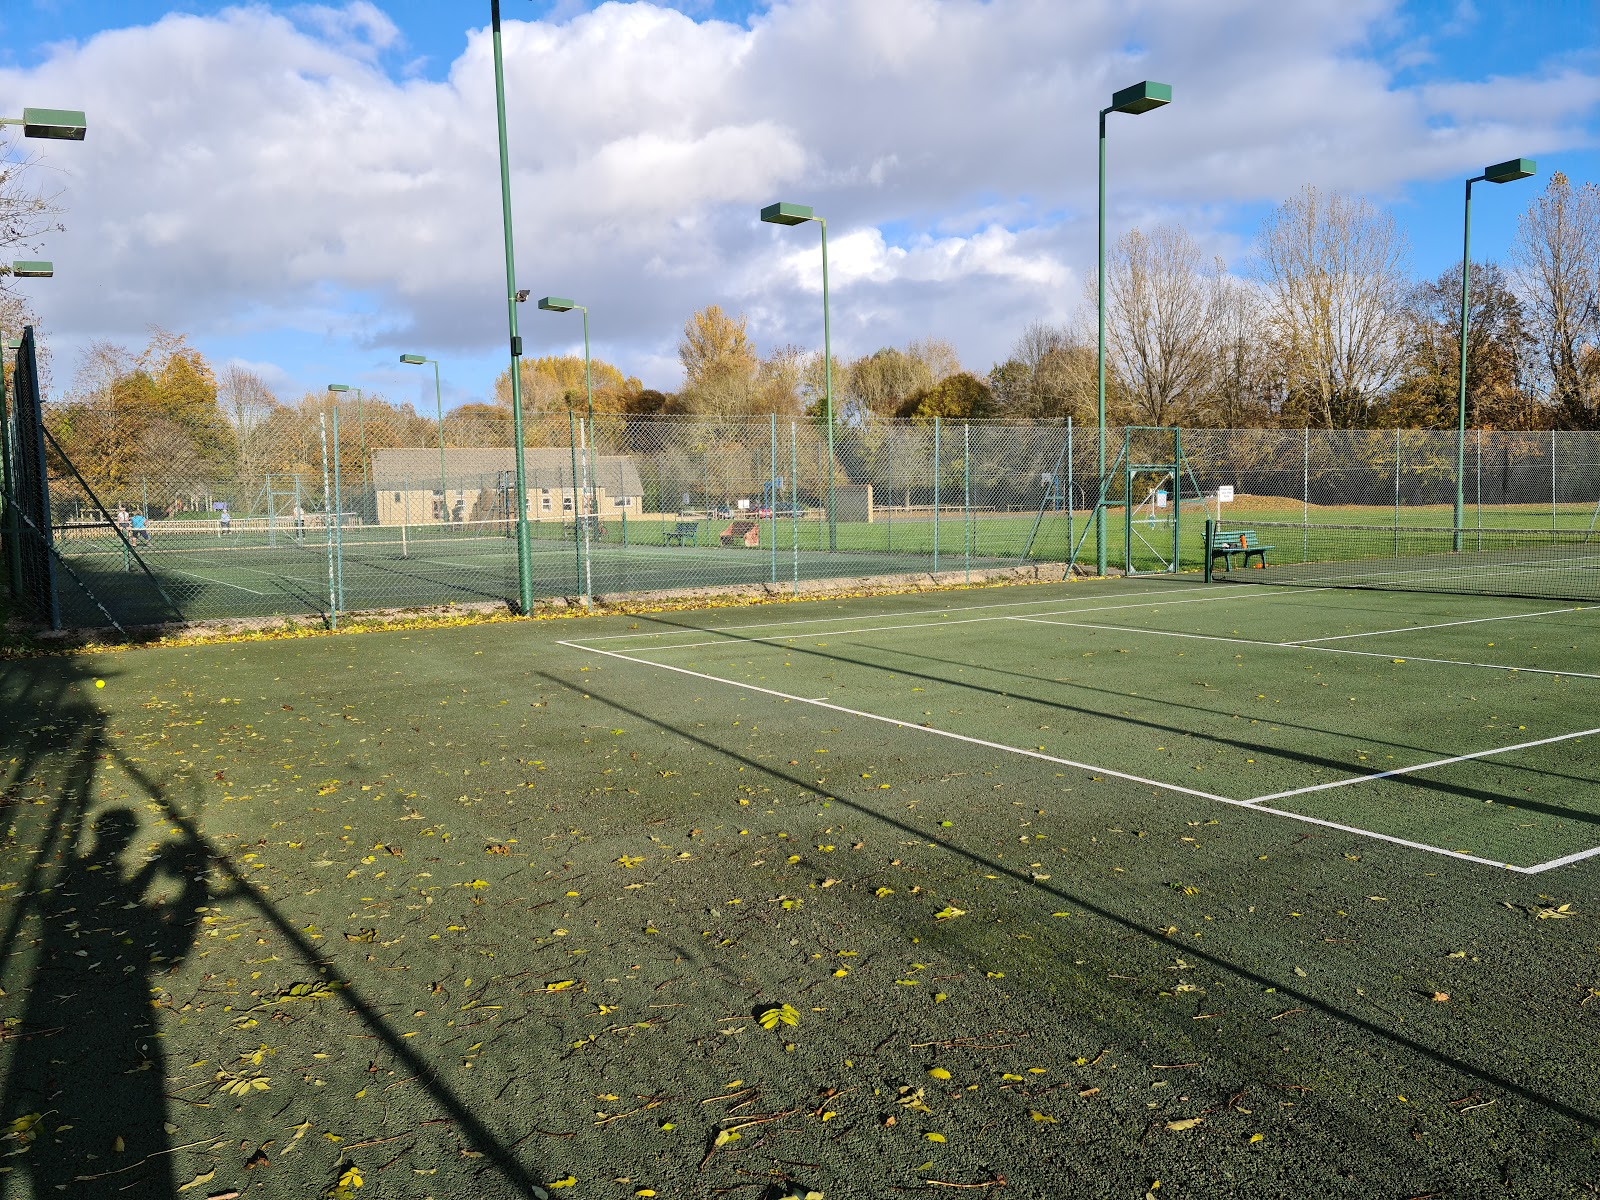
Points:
(544, 502)
(566, 503)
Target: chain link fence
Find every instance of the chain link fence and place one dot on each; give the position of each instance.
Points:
(317, 513)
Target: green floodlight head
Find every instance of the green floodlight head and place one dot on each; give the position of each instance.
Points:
(13, 343)
(556, 304)
(1514, 168)
(1141, 97)
(788, 214)
(25, 269)
(61, 124)
(415, 360)
(338, 387)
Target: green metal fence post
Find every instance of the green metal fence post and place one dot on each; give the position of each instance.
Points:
(577, 542)
(772, 491)
(336, 531)
(333, 593)
(966, 476)
(936, 473)
(794, 503)
(1071, 552)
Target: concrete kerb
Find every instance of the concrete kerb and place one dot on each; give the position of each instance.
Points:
(25, 640)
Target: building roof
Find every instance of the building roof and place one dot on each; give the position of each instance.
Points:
(477, 468)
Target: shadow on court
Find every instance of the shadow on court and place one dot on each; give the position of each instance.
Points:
(88, 940)
(1253, 1059)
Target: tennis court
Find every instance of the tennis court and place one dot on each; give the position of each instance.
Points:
(376, 567)
(1398, 721)
(1062, 889)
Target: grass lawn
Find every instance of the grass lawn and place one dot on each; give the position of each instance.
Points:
(964, 893)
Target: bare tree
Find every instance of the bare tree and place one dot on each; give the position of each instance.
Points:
(1240, 391)
(1050, 374)
(1333, 271)
(27, 210)
(247, 403)
(1157, 301)
(1556, 266)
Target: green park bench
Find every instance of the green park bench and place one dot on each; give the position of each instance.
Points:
(1243, 542)
(684, 531)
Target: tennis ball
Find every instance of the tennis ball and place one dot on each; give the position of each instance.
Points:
(99, 683)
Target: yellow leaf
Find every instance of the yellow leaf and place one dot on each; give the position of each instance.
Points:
(884, 891)
(630, 861)
(786, 1015)
(198, 1180)
(1185, 1124)
(645, 1192)
(1257, 1137)
(1039, 1116)
(1013, 1078)
(841, 973)
(949, 913)
(725, 1136)
(939, 1073)
(569, 1181)
(560, 985)
(934, 1137)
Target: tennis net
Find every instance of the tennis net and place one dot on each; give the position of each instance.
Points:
(1555, 564)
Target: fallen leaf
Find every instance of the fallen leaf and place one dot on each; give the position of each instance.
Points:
(1185, 1124)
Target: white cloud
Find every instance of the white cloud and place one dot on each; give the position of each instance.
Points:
(258, 170)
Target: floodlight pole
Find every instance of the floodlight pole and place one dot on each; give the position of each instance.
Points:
(524, 546)
(1506, 172)
(1140, 98)
(796, 214)
(361, 427)
(417, 360)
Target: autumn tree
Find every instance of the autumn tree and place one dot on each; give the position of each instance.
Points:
(1499, 354)
(720, 364)
(962, 396)
(555, 383)
(877, 384)
(1556, 265)
(1332, 270)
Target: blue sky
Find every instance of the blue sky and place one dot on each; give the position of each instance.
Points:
(310, 189)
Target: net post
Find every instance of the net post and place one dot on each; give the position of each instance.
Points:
(1210, 539)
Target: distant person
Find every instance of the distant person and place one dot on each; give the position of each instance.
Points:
(140, 528)
(299, 523)
(224, 522)
(122, 520)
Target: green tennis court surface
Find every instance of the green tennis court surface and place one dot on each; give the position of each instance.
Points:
(1248, 890)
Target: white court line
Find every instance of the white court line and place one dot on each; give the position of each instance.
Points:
(1206, 637)
(1425, 766)
(1094, 770)
(1564, 860)
(1549, 612)
(919, 612)
(220, 583)
(839, 633)
(897, 722)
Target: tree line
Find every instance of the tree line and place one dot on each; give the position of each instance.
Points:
(1321, 328)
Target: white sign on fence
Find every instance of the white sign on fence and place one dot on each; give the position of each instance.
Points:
(1225, 493)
